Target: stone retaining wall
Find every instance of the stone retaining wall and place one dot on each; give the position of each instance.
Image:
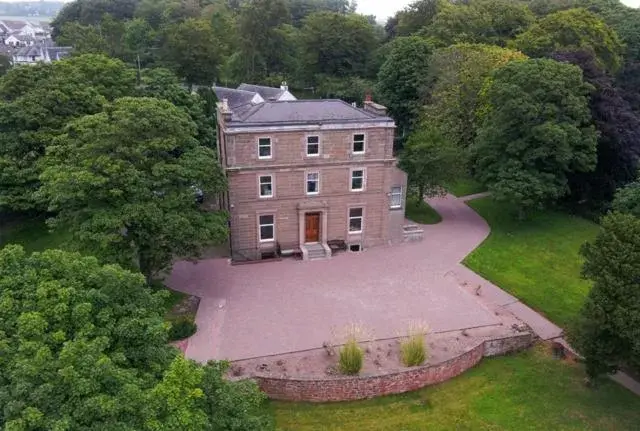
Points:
(362, 387)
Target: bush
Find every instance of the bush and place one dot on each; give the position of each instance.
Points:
(413, 350)
(351, 357)
(181, 329)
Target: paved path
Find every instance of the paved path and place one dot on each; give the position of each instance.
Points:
(272, 308)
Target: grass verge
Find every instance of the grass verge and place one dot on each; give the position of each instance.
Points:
(420, 212)
(536, 260)
(32, 234)
(465, 186)
(527, 391)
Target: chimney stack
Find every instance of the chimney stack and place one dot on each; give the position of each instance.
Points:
(374, 108)
(284, 86)
(225, 112)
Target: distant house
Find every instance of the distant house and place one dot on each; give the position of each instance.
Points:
(19, 40)
(40, 53)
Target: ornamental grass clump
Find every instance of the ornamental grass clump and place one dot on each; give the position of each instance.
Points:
(413, 349)
(351, 357)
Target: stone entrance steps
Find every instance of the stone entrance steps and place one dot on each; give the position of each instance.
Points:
(316, 251)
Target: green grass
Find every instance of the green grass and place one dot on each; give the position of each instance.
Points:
(465, 186)
(420, 212)
(33, 234)
(536, 260)
(527, 391)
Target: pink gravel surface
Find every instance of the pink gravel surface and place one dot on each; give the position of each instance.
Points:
(273, 308)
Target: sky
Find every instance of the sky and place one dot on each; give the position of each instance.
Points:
(383, 9)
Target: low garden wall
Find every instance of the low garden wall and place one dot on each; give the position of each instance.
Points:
(348, 388)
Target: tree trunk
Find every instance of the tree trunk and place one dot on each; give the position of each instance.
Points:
(420, 193)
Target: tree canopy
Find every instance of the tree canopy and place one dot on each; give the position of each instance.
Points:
(607, 333)
(84, 346)
(403, 79)
(457, 74)
(480, 21)
(430, 162)
(125, 182)
(535, 131)
(576, 29)
(618, 129)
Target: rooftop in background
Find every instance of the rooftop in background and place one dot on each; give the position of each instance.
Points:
(254, 105)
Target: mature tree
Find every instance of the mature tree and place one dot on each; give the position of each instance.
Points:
(80, 342)
(124, 181)
(139, 39)
(30, 119)
(84, 346)
(85, 39)
(5, 64)
(193, 51)
(607, 332)
(300, 9)
(618, 135)
(414, 17)
(480, 21)
(430, 161)
(457, 74)
(261, 46)
(162, 84)
(627, 199)
(108, 76)
(336, 44)
(573, 29)
(628, 80)
(535, 131)
(403, 79)
(91, 12)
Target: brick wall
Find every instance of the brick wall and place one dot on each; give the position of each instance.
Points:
(362, 387)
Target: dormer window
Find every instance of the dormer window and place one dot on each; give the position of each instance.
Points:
(264, 148)
(358, 144)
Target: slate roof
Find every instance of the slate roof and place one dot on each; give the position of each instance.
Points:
(29, 51)
(302, 112)
(236, 98)
(267, 93)
(14, 25)
(58, 52)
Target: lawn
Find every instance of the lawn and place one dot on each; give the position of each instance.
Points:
(465, 186)
(420, 212)
(527, 391)
(536, 260)
(33, 234)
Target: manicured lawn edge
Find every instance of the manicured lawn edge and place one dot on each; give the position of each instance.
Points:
(536, 260)
(420, 212)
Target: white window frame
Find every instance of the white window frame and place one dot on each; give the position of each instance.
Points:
(273, 226)
(306, 183)
(349, 218)
(392, 194)
(308, 143)
(270, 156)
(364, 179)
(273, 186)
(364, 143)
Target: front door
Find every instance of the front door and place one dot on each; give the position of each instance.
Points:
(312, 227)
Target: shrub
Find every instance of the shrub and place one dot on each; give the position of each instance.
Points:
(181, 329)
(351, 357)
(413, 351)
(412, 348)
